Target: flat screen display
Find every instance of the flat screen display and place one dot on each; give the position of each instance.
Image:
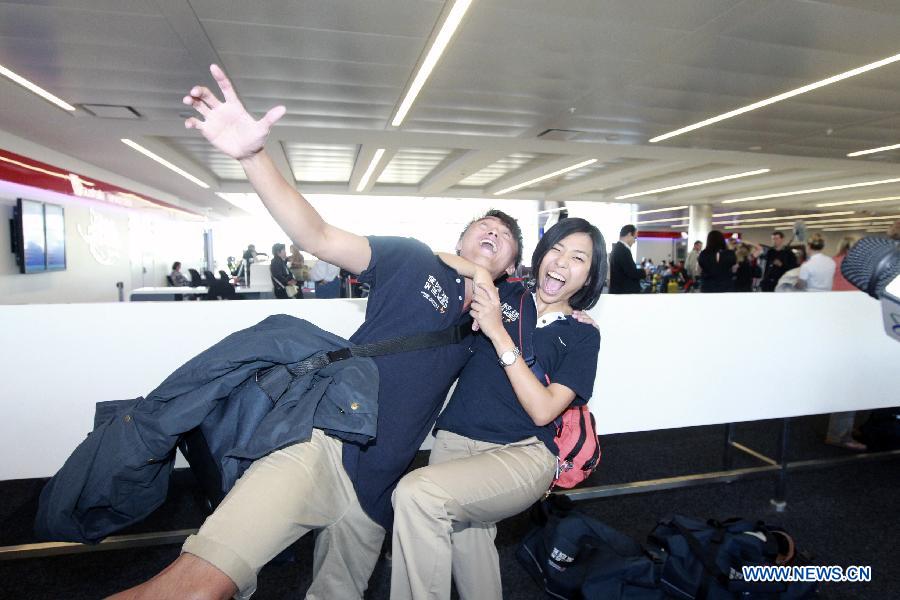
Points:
(33, 244)
(55, 230)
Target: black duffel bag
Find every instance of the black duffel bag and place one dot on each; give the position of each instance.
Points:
(703, 560)
(575, 557)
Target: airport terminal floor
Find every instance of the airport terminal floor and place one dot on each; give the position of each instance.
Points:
(842, 515)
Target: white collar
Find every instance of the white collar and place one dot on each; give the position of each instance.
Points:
(549, 317)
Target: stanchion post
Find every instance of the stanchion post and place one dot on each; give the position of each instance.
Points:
(121, 287)
(727, 456)
(779, 501)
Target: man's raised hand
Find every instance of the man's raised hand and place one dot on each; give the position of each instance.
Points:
(227, 125)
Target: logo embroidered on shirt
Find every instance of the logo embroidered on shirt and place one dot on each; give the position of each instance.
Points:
(434, 293)
(509, 313)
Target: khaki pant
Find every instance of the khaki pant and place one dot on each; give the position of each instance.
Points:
(445, 515)
(280, 498)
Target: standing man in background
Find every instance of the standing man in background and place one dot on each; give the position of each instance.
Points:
(692, 264)
(624, 276)
(779, 260)
(327, 278)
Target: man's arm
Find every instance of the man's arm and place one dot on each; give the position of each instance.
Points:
(231, 129)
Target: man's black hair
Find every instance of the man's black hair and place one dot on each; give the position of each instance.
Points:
(510, 224)
(276, 248)
(628, 229)
(587, 296)
(779, 234)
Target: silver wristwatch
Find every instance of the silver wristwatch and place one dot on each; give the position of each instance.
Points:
(508, 358)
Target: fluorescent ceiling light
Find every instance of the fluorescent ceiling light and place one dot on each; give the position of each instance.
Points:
(874, 150)
(868, 201)
(757, 226)
(656, 210)
(547, 176)
(431, 58)
(370, 169)
(662, 220)
(744, 212)
(809, 216)
(783, 96)
(163, 162)
(36, 89)
(813, 190)
(694, 183)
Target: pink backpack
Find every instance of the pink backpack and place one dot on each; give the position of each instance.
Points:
(579, 446)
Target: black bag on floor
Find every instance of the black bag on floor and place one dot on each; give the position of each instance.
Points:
(574, 557)
(882, 430)
(703, 559)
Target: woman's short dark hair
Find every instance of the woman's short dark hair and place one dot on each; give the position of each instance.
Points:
(715, 241)
(176, 265)
(587, 296)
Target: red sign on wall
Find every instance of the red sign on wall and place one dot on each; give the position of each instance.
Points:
(27, 171)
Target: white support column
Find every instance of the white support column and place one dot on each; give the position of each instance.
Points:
(700, 223)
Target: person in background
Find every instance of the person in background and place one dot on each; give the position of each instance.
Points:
(624, 276)
(716, 261)
(297, 265)
(840, 282)
(894, 231)
(177, 277)
(779, 260)
(817, 272)
(250, 254)
(746, 268)
(327, 278)
(692, 264)
(281, 275)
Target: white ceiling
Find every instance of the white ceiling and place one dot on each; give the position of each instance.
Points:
(602, 76)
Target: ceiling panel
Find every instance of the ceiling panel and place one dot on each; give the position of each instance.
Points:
(614, 72)
(321, 162)
(410, 165)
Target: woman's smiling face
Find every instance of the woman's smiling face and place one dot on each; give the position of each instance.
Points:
(565, 269)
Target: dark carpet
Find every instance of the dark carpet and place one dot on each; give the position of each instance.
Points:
(840, 515)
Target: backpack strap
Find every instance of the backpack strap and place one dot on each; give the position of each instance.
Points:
(276, 379)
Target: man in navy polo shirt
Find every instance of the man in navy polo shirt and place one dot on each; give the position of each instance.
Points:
(339, 489)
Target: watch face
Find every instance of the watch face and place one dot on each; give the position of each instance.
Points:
(508, 357)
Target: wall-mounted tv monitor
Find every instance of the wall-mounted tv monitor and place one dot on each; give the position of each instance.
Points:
(55, 235)
(38, 233)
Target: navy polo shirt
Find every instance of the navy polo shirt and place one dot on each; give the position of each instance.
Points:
(411, 292)
(484, 406)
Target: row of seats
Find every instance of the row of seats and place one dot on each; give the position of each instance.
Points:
(218, 289)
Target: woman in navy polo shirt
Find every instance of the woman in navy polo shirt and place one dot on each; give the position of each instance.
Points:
(494, 452)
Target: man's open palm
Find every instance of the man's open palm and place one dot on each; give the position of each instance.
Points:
(227, 125)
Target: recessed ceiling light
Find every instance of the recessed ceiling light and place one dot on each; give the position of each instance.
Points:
(868, 201)
(656, 210)
(431, 58)
(874, 150)
(760, 225)
(812, 190)
(370, 169)
(36, 89)
(547, 176)
(783, 96)
(694, 183)
(164, 162)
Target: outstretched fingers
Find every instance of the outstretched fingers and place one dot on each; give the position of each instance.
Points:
(198, 104)
(193, 123)
(273, 115)
(224, 83)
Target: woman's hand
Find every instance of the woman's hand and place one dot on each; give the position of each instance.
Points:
(485, 310)
(583, 317)
(227, 125)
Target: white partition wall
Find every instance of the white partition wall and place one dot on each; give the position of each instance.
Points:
(665, 360)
